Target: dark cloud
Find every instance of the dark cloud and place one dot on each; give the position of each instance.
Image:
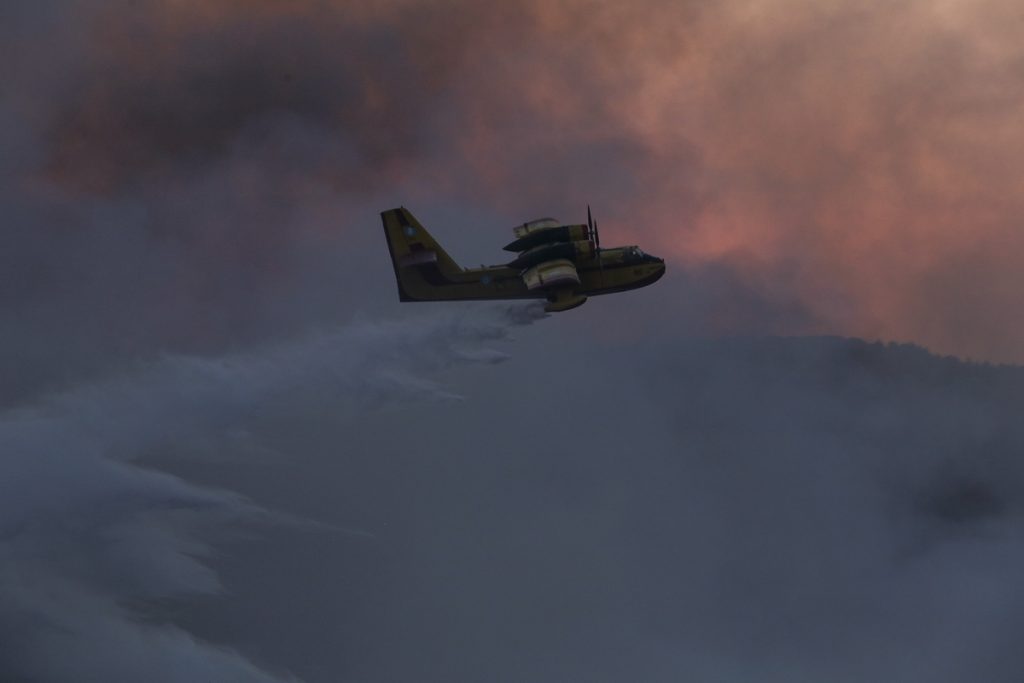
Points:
(169, 91)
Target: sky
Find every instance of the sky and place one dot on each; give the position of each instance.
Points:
(791, 458)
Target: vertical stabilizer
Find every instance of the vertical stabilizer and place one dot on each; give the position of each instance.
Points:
(421, 264)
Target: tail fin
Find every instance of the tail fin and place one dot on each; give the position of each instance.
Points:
(419, 261)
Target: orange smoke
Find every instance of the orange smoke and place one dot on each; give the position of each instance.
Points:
(859, 160)
(863, 158)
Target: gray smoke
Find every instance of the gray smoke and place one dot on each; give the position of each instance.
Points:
(92, 540)
(734, 510)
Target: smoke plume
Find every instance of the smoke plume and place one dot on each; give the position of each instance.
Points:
(92, 540)
(855, 162)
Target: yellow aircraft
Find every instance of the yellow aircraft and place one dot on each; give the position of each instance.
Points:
(564, 264)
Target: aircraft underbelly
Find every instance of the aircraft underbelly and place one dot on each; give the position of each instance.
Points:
(617, 279)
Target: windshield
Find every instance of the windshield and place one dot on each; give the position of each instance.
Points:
(635, 254)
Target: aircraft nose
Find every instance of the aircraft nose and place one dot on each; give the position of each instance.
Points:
(659, 270)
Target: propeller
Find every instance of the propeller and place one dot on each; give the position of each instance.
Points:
(592, 224)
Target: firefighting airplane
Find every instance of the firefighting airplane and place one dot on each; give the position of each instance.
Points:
(564, 264)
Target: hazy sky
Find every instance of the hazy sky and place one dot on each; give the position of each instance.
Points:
(193, 281)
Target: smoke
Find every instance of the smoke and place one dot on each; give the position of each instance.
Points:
(92, 541)
(853, 162)
(185, 181)
(767, 509)
(839, 510)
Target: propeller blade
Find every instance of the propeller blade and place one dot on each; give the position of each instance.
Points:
(596, 236)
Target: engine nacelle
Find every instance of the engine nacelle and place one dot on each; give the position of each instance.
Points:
(535, 225)
(550, 274)
(528, 239)
(580, 250)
